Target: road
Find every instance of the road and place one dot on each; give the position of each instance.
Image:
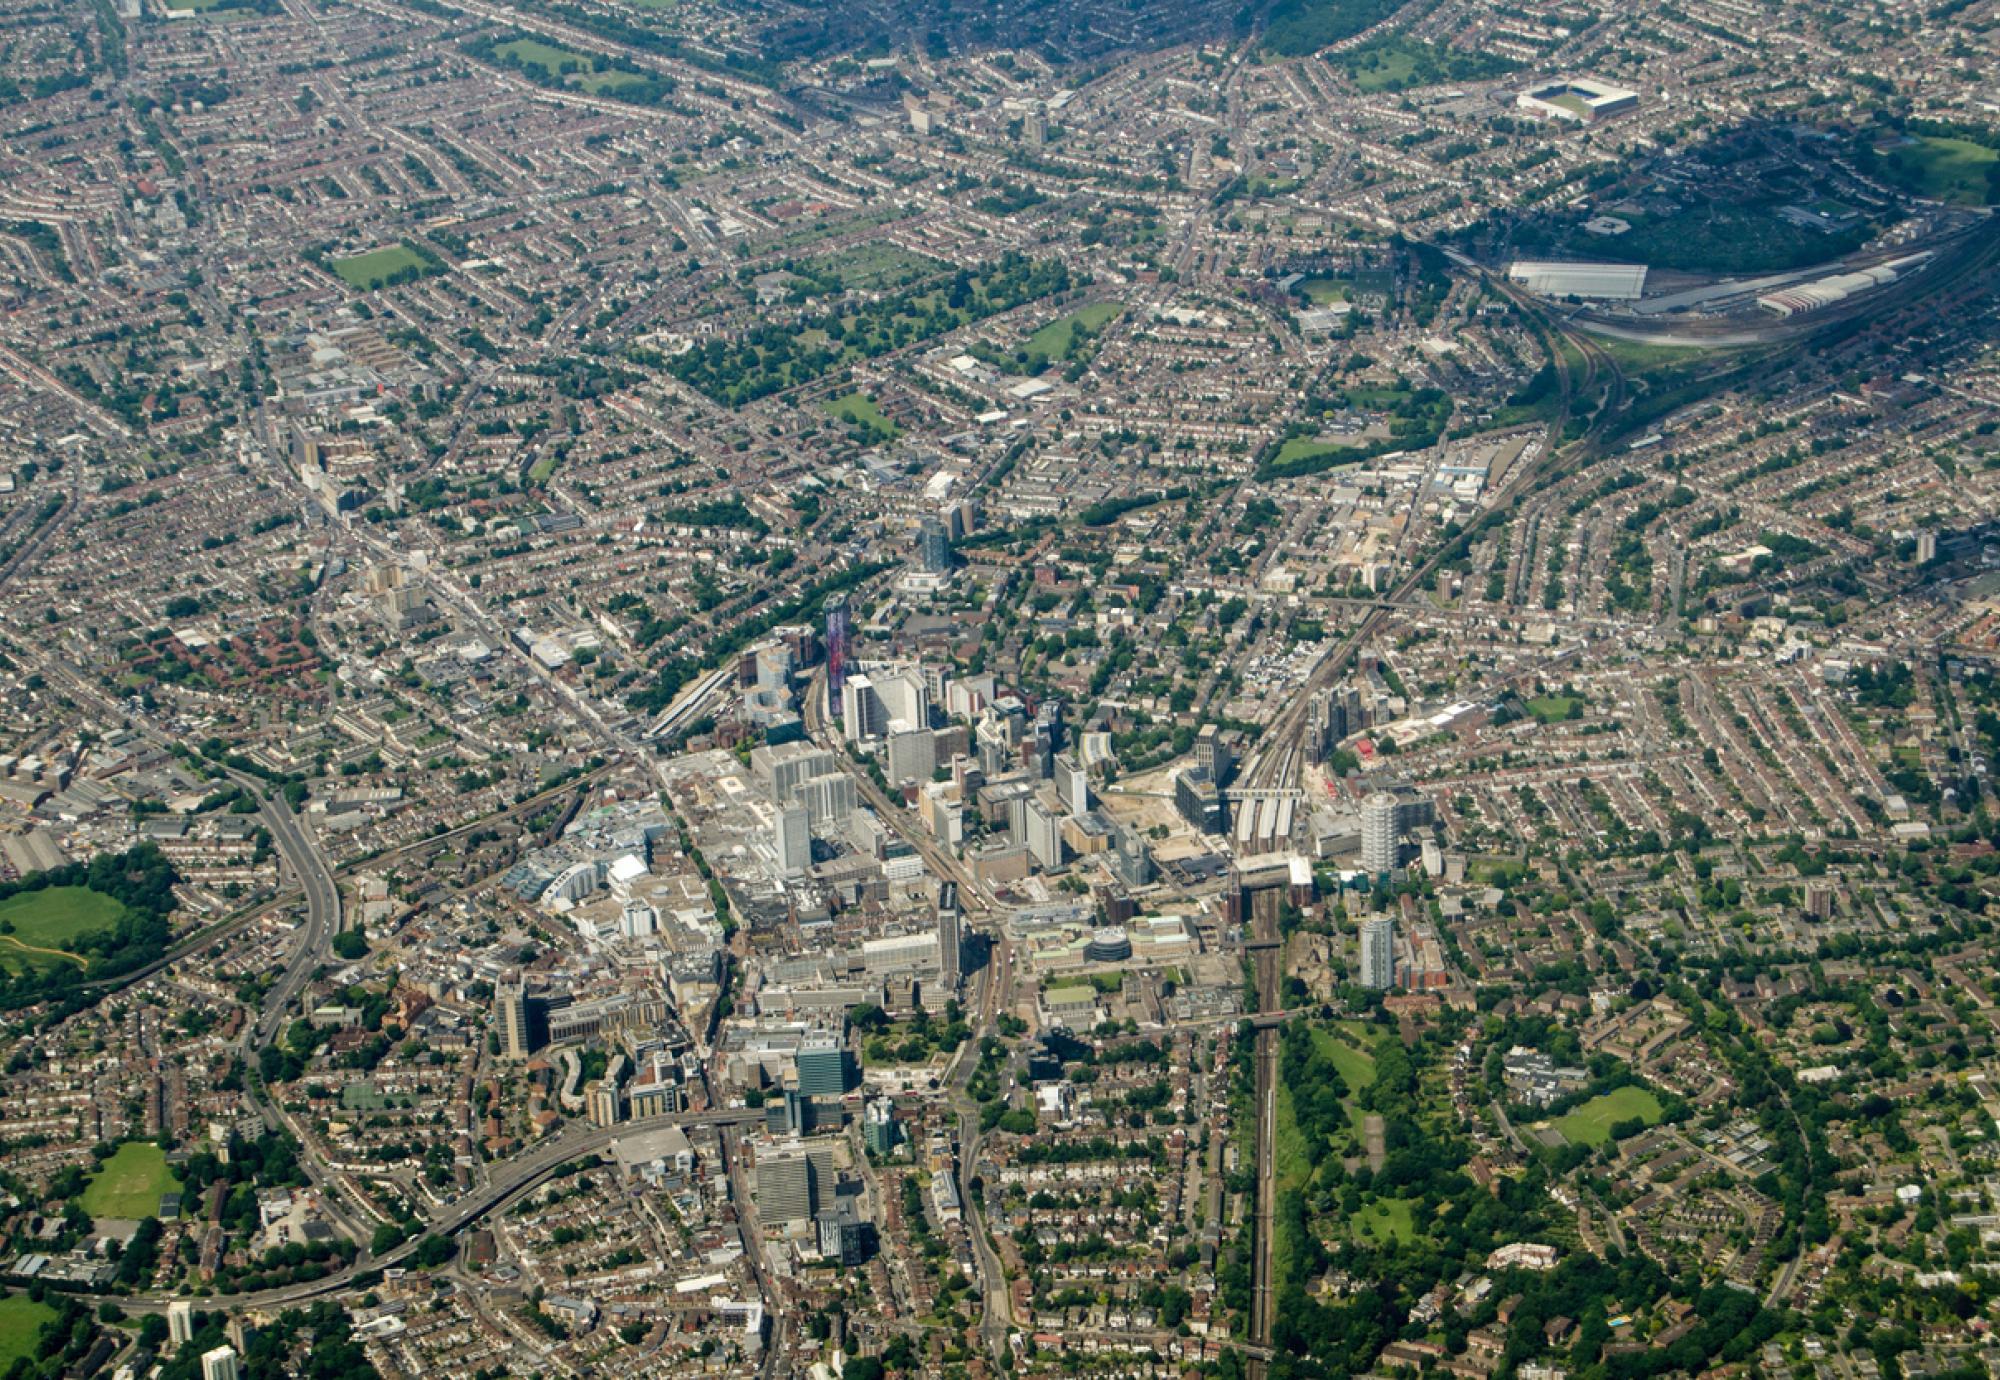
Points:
(314, 944)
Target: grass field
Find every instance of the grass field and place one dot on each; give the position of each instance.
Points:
(1357, 1069)
(129, 1184)
(44, 923)
(1301, 448)
(1591, 1123)
(1384, 1220)
(1323, 292)
(375, 268)
(1637, 357)
(613, 81)
(858, 409)
(540, 471)
(532, 52)
(1953, 170)
(1553, 709)
(1058, 338)
(21, 1323)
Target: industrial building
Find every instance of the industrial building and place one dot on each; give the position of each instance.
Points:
(1835, 288)
(1600, 282)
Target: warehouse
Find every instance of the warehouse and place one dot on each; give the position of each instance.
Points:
(1838, 287)
(1603, 282)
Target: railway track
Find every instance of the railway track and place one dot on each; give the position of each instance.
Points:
(1281, 756)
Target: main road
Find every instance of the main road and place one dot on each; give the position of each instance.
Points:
(314, 943)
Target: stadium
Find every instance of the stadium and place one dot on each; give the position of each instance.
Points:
(1584, 100)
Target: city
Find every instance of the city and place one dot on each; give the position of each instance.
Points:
(692, 687)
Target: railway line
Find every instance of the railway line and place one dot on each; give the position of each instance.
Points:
(1280, 759)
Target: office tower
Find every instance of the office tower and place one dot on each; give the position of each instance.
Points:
(782, 767)
(1926, 547)
(511, 1014)
(219, 1364)
(790, 1114)
(950, 936)
(784, 1188)
(180, 1322)
(1072, 784)
(829, 799)
(1212, 754)
(1379, 834)
(793, 834)
(839, 1237)
(1200, 801)
(1378, 953)
(836, 652)
(826, 1066)
(861, 714)
(1043, 835)
(879, 1130)
(934, 546)
(912, 756)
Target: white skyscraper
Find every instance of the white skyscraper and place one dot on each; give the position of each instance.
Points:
(1378, 953)
(1378, 833)
(793, 835)
(180, 1322)
(219, 1364)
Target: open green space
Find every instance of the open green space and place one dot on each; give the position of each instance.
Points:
(1059, 338)
(857, 409)
(129, 1184)
(1385, 1220)
(1553, 709)
(770, 358)
(396, 263)
(21, 1323)
(542, 469)
(1591, 1123)
(1357, 1068)
(552, 64)
(1945, 169)
(1300, 453)
(608, 82)
(1397, 62)
(1324, 292)
(43, 925)
(533, 52)
(871, 267)
(194, 6)
(1297, 27)
(1639, 357)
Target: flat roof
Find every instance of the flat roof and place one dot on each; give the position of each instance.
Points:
(1624, 282)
